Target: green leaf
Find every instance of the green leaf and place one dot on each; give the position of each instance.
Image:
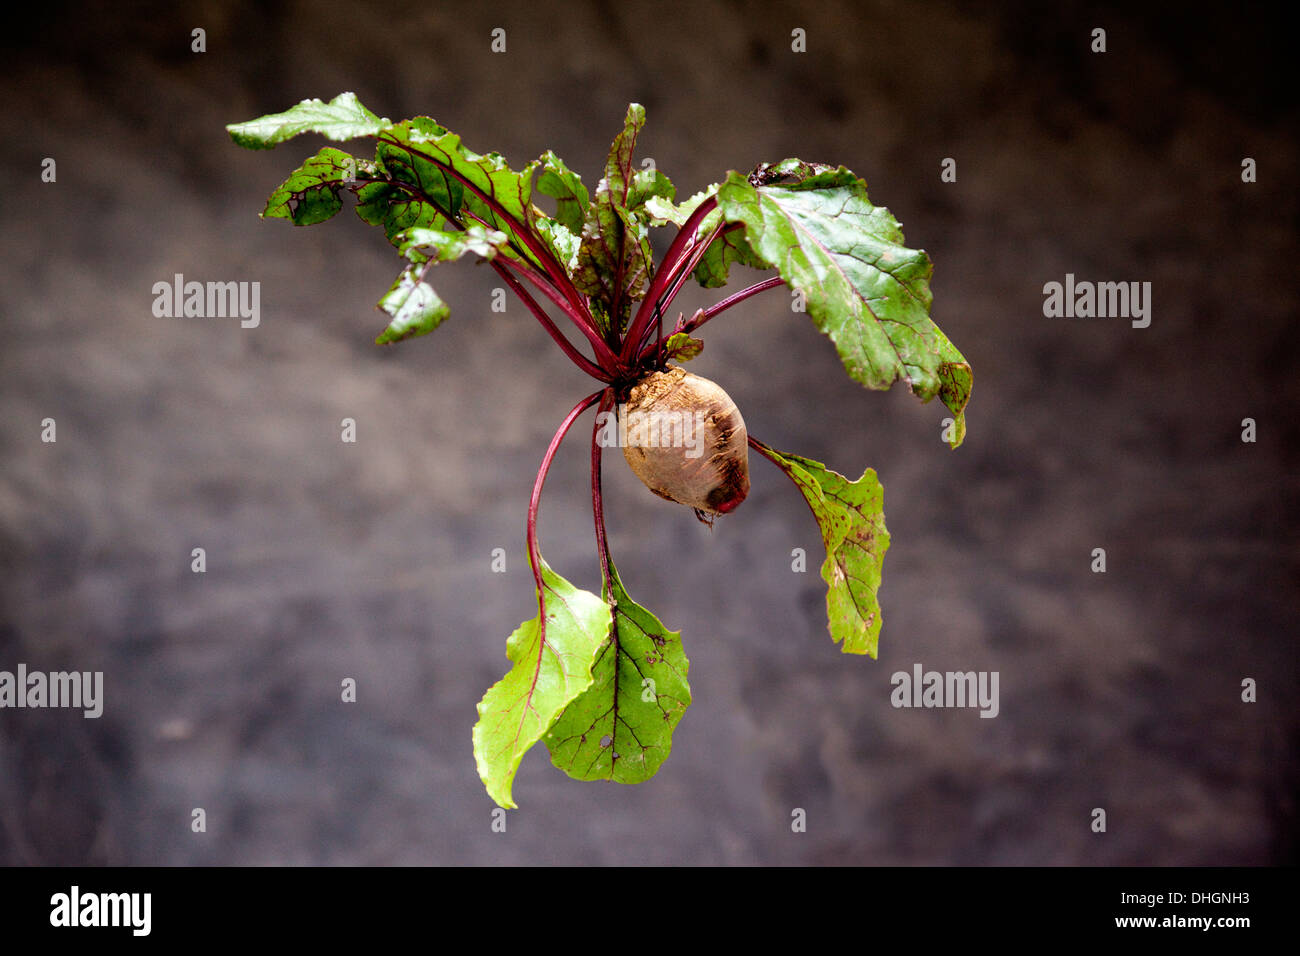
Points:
(681, 347)
(422, 177)
(714, 268)
(391, 205)
(954, 389)
(432, 159)
(342, 118)
(650, 185)
(852, 521)
(563, 243)
(552, 657)
(563, 233)
(311, 193)
(412, 306)
(863, 288)
(621, 728)
(677, 213)
(424, 159)
(566, 188)
(420, 244)
(615, 261)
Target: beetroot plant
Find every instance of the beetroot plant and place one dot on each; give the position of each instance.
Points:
(598, 678)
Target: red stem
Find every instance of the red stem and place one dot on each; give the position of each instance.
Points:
(645, 313)
(627, 175)
(703, 315)
(580, 360)
(686, 265)
(602, 372)
(681, 271)
(771, 455)
(683, 268)
(597, 504)
(534, 556)
(538, 249)
(762, 449)
(604, 354)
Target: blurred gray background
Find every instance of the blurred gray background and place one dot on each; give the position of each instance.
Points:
(326, 560)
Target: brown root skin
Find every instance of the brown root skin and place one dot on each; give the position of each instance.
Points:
(686, 441)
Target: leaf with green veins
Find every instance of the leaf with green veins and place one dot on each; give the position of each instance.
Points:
(852, 521)
(311, 193)
(864, 289)
(621, 728)
(341, 119)
(567, 189)
(552, 655)
(681, 347)
(615, 261)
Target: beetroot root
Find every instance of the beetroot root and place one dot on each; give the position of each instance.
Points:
(686, 441)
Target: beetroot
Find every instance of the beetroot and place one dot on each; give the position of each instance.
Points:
(687, 442)
(598, 677)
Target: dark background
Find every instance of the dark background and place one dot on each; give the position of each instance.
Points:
(326, 560)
